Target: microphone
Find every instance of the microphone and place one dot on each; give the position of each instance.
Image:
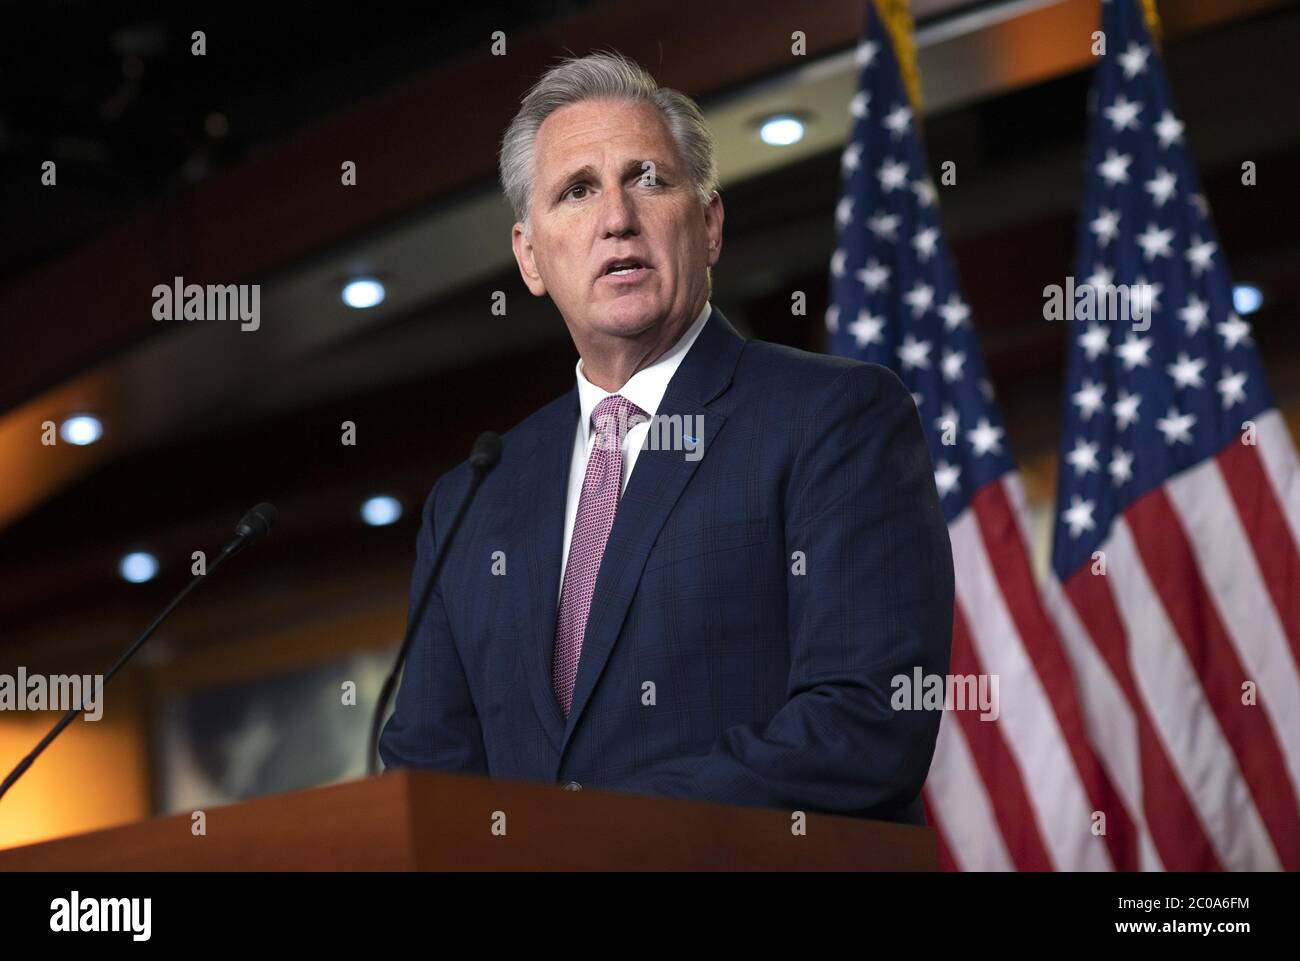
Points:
(483, 457)
(256, 524)
(486, 452)
(251, 528)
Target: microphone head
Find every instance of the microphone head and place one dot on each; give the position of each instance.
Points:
(256, 523)
(486, 452)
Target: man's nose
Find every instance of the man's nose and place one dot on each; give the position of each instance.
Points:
(619, 212)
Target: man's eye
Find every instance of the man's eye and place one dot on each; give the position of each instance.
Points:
(572, 189)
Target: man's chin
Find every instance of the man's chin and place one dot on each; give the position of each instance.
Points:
(629, 317)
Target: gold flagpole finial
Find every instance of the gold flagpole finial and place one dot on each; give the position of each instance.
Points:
(897, 18)
(1152, 17)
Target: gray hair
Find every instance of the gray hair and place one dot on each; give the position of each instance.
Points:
(601, 76)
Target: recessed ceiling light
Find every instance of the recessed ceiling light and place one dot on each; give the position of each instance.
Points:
(381, 510)
(781, 130)
(138, 567)
(81, 429)
(1246, 298)
(363, 292)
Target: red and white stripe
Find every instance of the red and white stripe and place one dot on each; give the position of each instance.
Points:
(1018, 792)
(1200, 602)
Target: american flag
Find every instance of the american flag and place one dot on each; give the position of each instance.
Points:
(1018, 792)
(1176, 577)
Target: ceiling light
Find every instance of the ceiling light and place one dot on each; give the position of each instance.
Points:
(138, 567)
(781, 130)
(363, 292)
(1246, 298)
(381, 510)
(81, 429)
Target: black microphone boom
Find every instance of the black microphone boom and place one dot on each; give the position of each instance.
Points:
(252, 527)
(483, 457)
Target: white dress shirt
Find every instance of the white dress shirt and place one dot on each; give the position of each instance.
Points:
(646, 389)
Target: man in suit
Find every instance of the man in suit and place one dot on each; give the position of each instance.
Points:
(718, 616)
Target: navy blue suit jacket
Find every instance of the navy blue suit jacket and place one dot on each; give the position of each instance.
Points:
(718, 663)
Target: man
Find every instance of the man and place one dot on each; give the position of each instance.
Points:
(715, 617)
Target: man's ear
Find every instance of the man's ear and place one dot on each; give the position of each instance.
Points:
(523, 248)
(713, 215)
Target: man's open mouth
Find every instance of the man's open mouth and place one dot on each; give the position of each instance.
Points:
(625, 267)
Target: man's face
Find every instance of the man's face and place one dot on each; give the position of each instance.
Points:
(596, 198)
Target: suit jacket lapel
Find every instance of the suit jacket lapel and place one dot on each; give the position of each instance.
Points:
(657, 481)
(538, 521)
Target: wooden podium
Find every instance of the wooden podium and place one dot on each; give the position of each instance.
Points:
(418, 821)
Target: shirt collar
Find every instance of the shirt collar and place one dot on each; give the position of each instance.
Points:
(647, 386)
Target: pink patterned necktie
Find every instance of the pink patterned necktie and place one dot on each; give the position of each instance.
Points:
(597, 505)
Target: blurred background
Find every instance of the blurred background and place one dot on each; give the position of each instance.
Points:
(226, 168)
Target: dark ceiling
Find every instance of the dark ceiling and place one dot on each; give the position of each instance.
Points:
(113, 95)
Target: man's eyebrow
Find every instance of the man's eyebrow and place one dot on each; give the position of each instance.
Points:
(630, 168)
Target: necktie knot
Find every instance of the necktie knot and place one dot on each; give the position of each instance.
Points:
(613, 418)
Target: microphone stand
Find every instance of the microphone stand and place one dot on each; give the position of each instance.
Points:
(253, 526)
